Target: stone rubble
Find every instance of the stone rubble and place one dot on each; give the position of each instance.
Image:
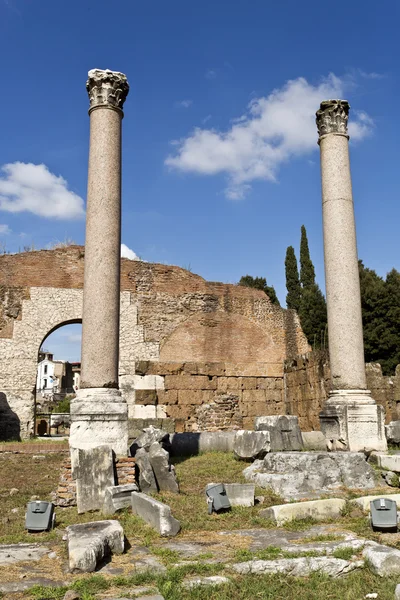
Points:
(155, 513)
(298, 567)
(307, 475)
(118, 497)
(251, 444)
(90, 543)
(212, 581)
(319, 510)
(164, 472)
(93, 470)
(383, 560)
(284, 431)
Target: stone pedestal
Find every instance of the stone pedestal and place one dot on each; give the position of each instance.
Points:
(350, 414)
(355, 420)
(98, 414)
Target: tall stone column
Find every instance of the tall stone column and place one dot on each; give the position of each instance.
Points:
(350, 413)
(99, 414)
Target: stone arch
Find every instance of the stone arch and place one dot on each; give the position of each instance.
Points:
(219, 337)
(45, 311)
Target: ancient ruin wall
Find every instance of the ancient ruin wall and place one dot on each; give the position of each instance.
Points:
(307, 385)
(167, 314)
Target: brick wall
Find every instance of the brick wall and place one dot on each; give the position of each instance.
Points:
(207, 396)
(167, 314)
(307, 384)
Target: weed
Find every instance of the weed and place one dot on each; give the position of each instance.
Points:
(344, 553)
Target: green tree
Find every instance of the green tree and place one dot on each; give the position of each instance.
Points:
(313, 316)
(380, 303)
(260, 283)
(312, 310)
(293, 297)
(307, 271)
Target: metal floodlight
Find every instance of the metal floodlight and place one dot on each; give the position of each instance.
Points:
(217, 498)
(383, 514)
(40, 516)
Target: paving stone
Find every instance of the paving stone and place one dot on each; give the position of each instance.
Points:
(163, 471)
(383, 560)
(317, 509)
(21, 586)
(93, 469)
(210, 581)
(118, 497)
(155, 513)
(298, 567)
(14, 553)
(390, 462)
(251, 444)
(284, 431)
(90, 543)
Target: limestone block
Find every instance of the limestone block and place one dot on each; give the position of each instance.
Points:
(317, 509)
(118, 497)
(284, 431)
(313, 440)
(364, 501)
(392, 431)
(148, 382)
(397, 592)
(195, 396)
(90, 543)
(93, 469)
(383, 560)
(387, 461)
(147, 481)
(240, 494)
(163, 471)
(190, 382)
(155, 513)
(298, 567)
(297, 475)
(251, 444)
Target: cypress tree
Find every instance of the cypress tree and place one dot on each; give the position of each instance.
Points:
(312, 311)
(293, 287)
(307, 271)
(260, 283)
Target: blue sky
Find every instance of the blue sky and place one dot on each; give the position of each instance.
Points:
(220, 160)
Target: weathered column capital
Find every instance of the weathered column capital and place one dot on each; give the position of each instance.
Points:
(332, 117)
(107, 89)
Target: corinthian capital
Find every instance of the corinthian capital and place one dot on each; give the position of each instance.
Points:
(332, 117)
(107, 89)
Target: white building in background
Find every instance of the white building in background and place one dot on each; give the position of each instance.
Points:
(56, 376)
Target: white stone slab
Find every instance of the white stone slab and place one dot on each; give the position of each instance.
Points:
(317, 509)
(365, 501)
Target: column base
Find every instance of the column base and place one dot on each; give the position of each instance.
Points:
(353, 418)
(99, 416)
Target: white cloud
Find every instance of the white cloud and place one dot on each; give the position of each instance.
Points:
(211, 74)
(128, 253)
(183, 103)
(25, 187)
(4, 229)
(73, 338)
(274, 129)
(207, 118)
(371, 75)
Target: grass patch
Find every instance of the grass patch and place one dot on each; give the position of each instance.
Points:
(344, 553)
(272, 553)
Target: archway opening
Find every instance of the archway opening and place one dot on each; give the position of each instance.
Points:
(57, 378)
